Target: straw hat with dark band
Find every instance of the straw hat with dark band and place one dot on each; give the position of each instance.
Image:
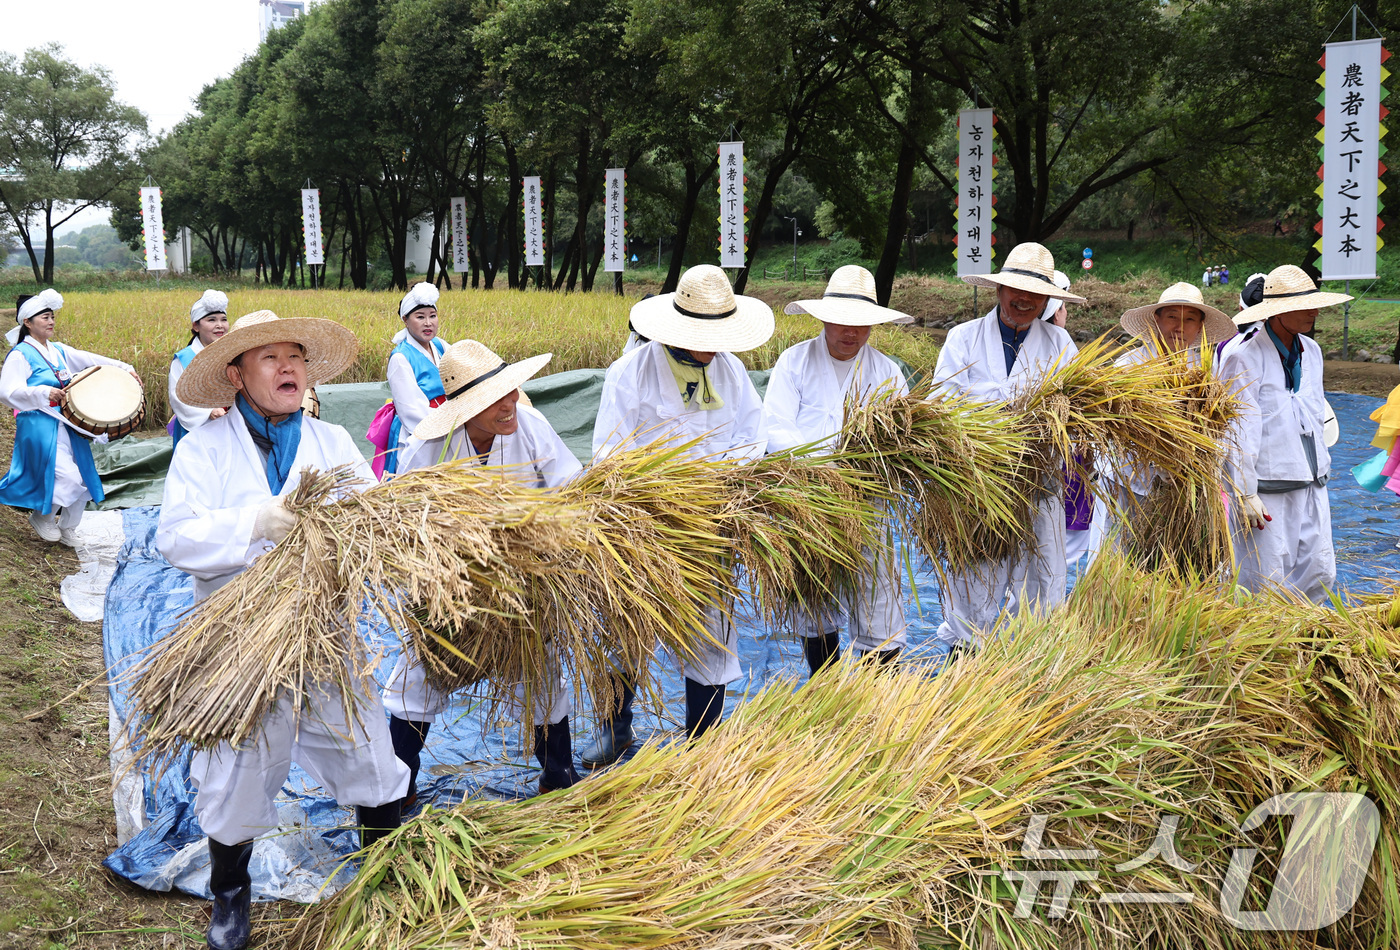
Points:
(1141, 321)
(1286, 289)
(704, 315)
(473, 379)
(330, 348)
(849, 301)
(1029, 267)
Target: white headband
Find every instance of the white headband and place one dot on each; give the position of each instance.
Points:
(1053, 305)
(49, 299)
(422, 294)
(213, 301)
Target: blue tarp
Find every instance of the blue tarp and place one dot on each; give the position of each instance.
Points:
(468, 757)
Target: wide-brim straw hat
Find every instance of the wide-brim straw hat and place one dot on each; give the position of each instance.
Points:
(1286, 289)
(473, 379)
(330, 348)
(1029, 267)
(1141, 321)
(849, 301)
(705, 315)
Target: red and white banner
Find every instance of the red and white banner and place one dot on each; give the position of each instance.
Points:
(975, 173)
(459, 236)
(311, 226)
(733, 216)
(1351, 158)
(153, 228)
(534, 222)
(614, 219)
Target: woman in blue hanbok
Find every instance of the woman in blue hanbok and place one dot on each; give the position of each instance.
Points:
(51, 470)
(415, 385)
(208, 322)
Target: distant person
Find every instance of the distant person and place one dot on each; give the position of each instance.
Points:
(208, 322)
(1224, 275)
(1205, 277)
(1279, 461)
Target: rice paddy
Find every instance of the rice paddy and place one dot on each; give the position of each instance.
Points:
(146, 327)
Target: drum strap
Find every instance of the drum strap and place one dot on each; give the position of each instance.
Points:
(62, 375)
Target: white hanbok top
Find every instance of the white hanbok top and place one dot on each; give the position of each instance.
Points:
(215, 486)
(640, 395)
(191, 417)
(534, 451)
(15, 390)
(1136, 477)
(410, 403)
(1277, 429)
(806, 397)
(972, 361)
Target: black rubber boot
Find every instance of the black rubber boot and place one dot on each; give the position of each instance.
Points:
(882, 657)
(704, 705)
(377, 821)
(821, 651)
(554, 748)
(229, 924)
(614, 736)
(408, 738)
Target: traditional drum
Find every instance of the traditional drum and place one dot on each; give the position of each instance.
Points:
(311, 403)
(105, 400)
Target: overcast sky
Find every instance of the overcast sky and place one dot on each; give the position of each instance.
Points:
(160, 55)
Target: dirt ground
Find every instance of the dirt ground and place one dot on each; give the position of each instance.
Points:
(56, 819)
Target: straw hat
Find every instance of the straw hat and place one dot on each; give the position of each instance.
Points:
(1029, 267)
(474, 379)
(1287, 289)
(704, 315)
(330, 349)
(849, 301)
(1141, 322)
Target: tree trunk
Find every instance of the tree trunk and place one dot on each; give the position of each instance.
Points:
(898, 223)
(551, 183)
(512, 218)
(780, 165)
(48, 243)
(694, 180)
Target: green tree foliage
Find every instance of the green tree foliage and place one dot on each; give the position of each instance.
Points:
(64, 145)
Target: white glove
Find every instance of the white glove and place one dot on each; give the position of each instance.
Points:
(274, 521)
(1254, 512)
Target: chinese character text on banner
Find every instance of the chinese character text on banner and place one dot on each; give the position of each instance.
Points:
(534, 226)
(311, 225)
(153, 228)
(1351, 153)
(733, 216)
(975, 174)
(614, 219)
(459, 235)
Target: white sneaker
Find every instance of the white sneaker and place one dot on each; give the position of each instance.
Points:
(45, 526)
(68, 536)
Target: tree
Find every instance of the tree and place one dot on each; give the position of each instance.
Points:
(64, 139)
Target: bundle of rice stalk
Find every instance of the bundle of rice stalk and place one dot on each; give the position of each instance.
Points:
(960, 473)
(1180, 526)
(886, 809)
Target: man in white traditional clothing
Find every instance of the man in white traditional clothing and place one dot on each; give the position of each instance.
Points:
(224, 507)
(1278, 459)
(684, 384)
(483, 419)
(991, 359)
(805, 404)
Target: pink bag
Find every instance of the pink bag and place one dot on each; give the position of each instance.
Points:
(378, 435)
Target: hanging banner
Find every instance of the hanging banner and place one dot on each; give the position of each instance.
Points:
(733, 215)
(534, 226)
(153, 228)
(311, 225)
(1351, 158)
(615, 219)
(460, 236)
(975, 173)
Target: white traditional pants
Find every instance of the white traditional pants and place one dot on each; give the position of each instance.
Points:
(972, 603)
(408, 695)
(1294, 550)
(235, 789)
(874, 612)
(717, 663)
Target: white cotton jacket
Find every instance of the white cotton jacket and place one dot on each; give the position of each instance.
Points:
(972, 361)
(640, 396)
(806, 399)
(534, 452)
(191, 417)
(1277, 439)
(215, 486)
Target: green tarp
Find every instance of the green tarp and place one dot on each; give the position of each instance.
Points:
(133, 470)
